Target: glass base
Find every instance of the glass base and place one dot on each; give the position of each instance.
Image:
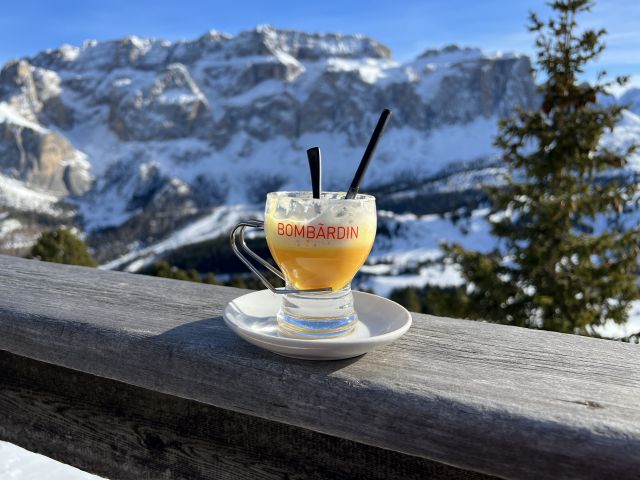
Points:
(317, 315)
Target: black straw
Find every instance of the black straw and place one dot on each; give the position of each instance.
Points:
(368, 153)
(315, 165)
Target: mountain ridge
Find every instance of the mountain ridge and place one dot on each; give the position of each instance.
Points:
(143, 136)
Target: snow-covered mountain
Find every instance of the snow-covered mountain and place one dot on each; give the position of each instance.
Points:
(631, 99)
(148, 146)
(140, 137)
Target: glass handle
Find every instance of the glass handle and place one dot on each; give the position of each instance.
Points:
(239, 245)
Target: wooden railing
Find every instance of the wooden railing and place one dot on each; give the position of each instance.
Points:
(134, 377)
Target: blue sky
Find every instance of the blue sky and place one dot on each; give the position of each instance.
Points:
(407, 26)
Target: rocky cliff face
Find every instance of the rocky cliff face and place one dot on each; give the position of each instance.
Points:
(143, 136)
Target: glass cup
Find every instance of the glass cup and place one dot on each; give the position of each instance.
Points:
(319, 245)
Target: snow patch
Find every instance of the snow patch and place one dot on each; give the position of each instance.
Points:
(218, 223)
(69, 52)
(10, 116)
(15, 194)
(370, 70)
(16, 463)
(615, 330)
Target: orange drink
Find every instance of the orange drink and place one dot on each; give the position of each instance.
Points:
(321, 267)
(319, 243)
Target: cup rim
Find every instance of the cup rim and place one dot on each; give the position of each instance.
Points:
(305, 195)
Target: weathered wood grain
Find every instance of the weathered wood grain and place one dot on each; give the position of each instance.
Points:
(500, 400)
(124, 432)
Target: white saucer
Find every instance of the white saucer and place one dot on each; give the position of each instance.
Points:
(381, 321)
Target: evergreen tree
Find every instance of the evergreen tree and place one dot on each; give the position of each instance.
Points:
(62, 246)
(565, 261)
(163, 269)
(408, 297)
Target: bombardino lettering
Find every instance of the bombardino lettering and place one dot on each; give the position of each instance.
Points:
(329, 232)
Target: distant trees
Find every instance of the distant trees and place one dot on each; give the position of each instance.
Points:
(164, 269)
(445, 301)
(410, 298)
(62, 246)
(565, 259)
